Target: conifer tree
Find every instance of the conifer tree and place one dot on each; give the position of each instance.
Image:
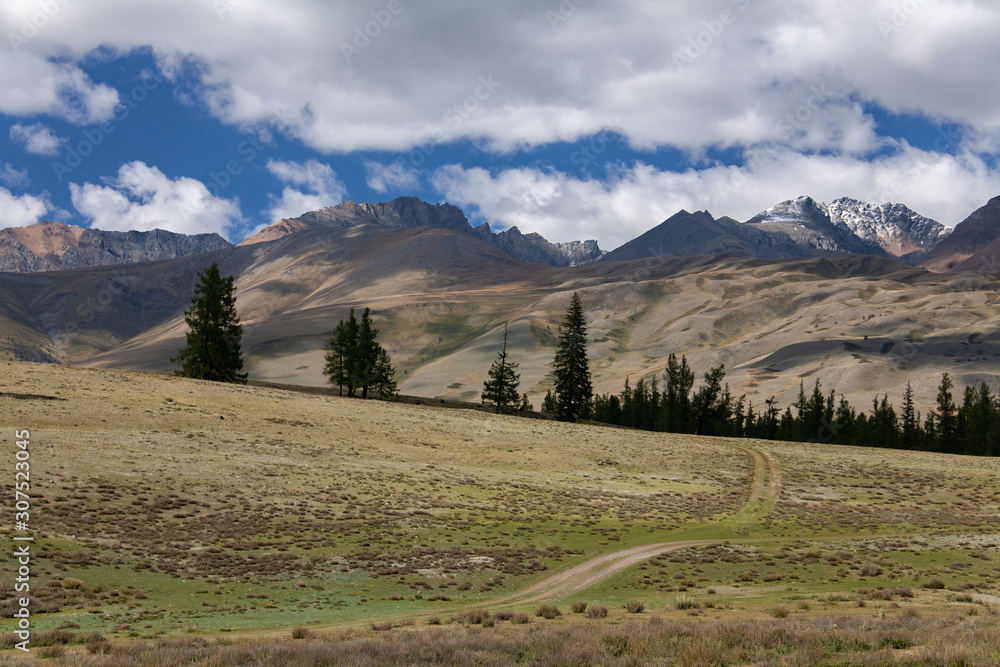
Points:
(946, 422)
(214, 332)
(574, 392)
(356, 359)
(384, 381)
(500, 390)
(910, 437)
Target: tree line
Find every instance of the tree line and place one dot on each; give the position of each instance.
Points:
(673, 405)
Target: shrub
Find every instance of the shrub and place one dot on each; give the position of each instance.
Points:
(578, 607)
(616, 645)
(381, 627)
(634, 607)
(98, 647)
(301, 633)
(520, 619)
(473, 616)
(781, 611)
(684, 602)
(597, 611)
(870, 570)
(434, 620)
(71, 584)
(935, 584)
(503, 615)
(548, 611)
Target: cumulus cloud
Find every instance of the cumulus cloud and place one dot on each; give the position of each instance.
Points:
(37, 138)
(395, 176)
(629, 201)
(322, 188)
(21, 210)
(35, 84)
(144, 198)
(343, 76)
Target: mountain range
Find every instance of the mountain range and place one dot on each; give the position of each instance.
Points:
(53, 246)
(796, 228)
(806, 309)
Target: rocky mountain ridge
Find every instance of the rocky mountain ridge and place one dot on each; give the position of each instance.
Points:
(55, 246)
(413, 212)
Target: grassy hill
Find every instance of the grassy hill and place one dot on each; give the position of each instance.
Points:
(173, 506)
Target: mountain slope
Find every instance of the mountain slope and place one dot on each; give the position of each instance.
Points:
(972, 245)
(440, 297)
(54, 246)
(686, 234)
(406, 212)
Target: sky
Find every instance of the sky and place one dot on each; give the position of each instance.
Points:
(576, 119)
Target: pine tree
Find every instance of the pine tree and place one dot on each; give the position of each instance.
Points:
(367, 353)
(574, 392)
(356, 359)
(384, 381)
(214, 332)
(549, 403)
(336, 358)
(946, 421)
(500, 390)
(709, 411)
(910, 422)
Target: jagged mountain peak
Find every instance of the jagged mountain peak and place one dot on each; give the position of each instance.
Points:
(853, 226)
(414, 212)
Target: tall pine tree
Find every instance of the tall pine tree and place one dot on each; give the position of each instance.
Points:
(574, 391)
(214, 332)
(500, 390)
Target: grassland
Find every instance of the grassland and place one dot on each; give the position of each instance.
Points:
(166, 508)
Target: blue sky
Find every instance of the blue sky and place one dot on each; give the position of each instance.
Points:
(572, 118)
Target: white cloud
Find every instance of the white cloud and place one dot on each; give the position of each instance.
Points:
(21, 210)
(13, 177)
(319, 180)
(632, 200)
(144, 198)
(395, 176)
(37, 138)
(33, 84)
(716, 72)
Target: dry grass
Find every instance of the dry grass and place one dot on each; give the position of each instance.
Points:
(327, 503)
(819, 642)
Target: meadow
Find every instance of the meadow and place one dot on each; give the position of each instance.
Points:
(182, 522)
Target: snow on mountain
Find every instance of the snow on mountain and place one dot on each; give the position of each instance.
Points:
(896, 228)
(852, 226)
